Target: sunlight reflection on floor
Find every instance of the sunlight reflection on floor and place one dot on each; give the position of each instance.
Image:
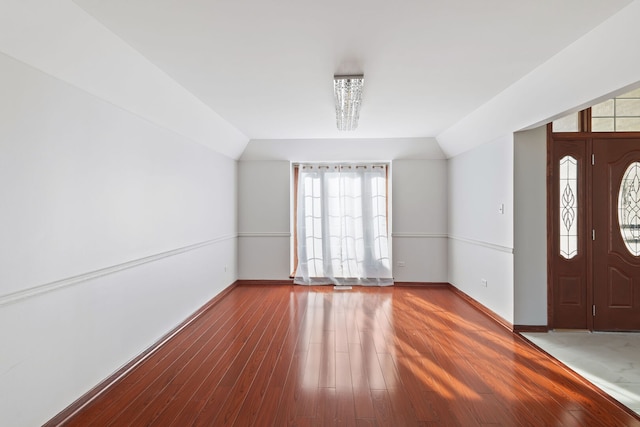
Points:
(611, 361)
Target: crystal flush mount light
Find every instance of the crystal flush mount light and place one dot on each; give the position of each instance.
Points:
(348, 95)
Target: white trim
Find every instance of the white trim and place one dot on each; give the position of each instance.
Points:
(70, 281)
(488, 245)
(460, 239)
(264, 234)
(421, 235)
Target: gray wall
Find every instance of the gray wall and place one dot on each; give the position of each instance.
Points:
(530, 227)
(418, 196)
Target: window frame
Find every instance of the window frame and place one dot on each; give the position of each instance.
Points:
(294, 205)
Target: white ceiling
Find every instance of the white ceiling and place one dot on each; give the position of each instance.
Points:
(266, 66)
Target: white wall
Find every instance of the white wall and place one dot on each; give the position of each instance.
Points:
(113, 231)
(419, 203)
(480, 237)
(530, 227)
(64, 41)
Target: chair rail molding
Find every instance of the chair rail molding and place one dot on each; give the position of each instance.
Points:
(74, 280)
(488, 245)
(264, 234)
(412, 235)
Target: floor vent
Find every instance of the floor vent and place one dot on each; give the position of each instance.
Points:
(341, 288)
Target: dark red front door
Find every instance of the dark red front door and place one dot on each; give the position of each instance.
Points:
(616, 223)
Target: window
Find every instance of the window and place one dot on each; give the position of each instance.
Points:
(619, 114)
(568, 123)
(341, 231)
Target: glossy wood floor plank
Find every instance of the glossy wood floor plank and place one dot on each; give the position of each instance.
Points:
(311, 356)
(212, 383)
(258, 391)
(157, 362)
(240, 376)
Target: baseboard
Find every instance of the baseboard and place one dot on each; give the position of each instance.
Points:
(102, 387)
(264, 282)
(530, 328)
(422, 284)
(290, 282)
(483, 309)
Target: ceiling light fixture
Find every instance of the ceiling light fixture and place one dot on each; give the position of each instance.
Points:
(348, 95)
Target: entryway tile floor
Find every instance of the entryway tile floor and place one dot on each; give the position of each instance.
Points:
(609, 360)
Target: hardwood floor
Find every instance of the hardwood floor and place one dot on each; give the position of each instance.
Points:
(399, 356)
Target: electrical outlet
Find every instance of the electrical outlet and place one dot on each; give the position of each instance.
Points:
(401, 264)
(484, 282)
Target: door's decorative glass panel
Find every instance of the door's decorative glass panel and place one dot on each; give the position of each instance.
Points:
(568, 207)
(629, 208)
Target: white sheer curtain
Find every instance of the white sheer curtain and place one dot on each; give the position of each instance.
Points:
(342, 233)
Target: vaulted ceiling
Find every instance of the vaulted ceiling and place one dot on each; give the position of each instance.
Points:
(266, 66)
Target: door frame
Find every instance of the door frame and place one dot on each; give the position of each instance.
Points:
(552, 215)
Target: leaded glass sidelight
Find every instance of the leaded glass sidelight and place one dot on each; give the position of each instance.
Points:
(629, 208)
(568, 207)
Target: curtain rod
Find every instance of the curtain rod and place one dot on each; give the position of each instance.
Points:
(341, 166)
